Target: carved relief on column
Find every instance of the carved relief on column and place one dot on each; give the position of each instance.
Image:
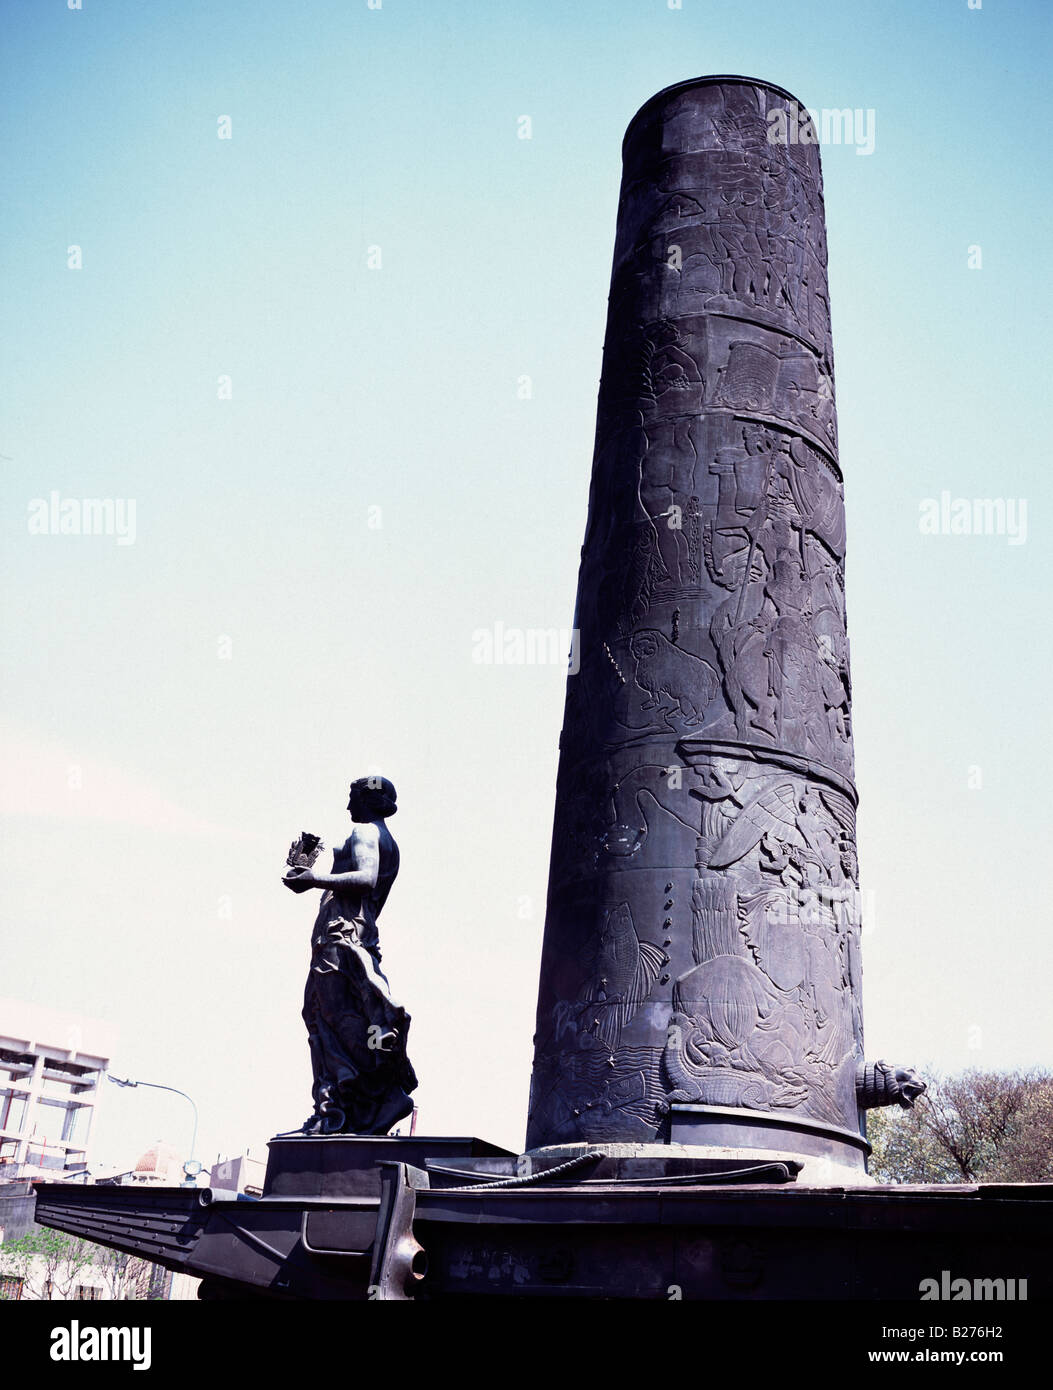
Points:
(702, 935)
(733, 983)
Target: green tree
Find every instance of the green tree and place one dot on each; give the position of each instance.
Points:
(48, 1262)
(975, 1127)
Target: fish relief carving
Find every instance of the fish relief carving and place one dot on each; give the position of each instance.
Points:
(621, 972)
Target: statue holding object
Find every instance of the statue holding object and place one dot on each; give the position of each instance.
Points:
(356, 1030)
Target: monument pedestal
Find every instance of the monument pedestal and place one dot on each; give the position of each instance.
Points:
(348, 1165)
(435, 1219)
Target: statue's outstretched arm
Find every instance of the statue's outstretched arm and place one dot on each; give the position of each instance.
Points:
(366, 851)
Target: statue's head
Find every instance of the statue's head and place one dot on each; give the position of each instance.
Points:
(757, 439)
(371, 798)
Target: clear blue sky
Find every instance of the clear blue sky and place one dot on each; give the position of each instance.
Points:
(176, 710)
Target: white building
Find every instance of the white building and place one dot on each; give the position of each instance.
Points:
(51, 1065)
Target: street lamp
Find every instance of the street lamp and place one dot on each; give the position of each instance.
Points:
(191, 1167)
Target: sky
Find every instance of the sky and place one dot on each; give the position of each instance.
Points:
(289, 285)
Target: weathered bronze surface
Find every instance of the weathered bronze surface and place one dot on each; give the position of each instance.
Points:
(357, 1031)
(702, 940)
(439, 1219)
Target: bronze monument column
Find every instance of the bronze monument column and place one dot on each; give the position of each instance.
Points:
(700, 979)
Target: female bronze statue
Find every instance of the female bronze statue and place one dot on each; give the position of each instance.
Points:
(356, 1030)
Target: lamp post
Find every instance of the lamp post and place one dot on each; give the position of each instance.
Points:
(190, 1167)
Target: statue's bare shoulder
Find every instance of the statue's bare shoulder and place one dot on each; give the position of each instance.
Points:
(365, 836)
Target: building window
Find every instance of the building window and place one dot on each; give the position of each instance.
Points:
(86, 1291)
(10, 1287)
(14, 1113)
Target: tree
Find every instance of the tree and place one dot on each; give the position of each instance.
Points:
(975, 1127)
(48, 1262)
(121, 1273)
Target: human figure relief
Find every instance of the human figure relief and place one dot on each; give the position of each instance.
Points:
(739, 630)
(666, 471)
